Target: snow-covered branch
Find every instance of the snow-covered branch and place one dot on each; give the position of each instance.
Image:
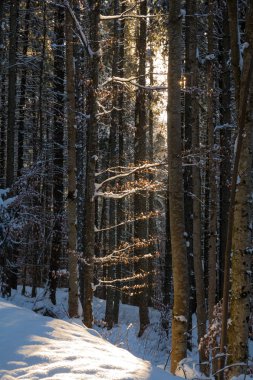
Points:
(120, 16)
(131, 80)
(152, 214)
(82, 36)
(131, 171)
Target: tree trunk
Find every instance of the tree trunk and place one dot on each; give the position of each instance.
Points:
(71, 199)
(235, 47)
(2, 95)
(58, 141)
(192, 82)
(12, 72)
(40, 118)
(245, 83)
(176, 193)
(81, 76)
(225, 143)
(23, 85)
(151, 195)
(92, 136)
(121, 127)
(212, 248)
(113, 161)
(241, 282)
(140, 205)
(188, 169)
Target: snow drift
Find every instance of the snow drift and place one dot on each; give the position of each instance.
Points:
(35, 347)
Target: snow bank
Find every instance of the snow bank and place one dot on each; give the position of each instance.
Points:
(35, 347)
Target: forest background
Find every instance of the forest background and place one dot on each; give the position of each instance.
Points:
(126, 163)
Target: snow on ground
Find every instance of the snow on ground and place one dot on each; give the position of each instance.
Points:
(38, 347)
(153, 345)
(35, 347)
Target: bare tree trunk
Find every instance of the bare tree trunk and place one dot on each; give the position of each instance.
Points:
(40, 117)
(121, 126)
(2, 95)
(58, 141)
(188, 169)
(235, 47)
(225, 143)
(71, 199)
(81, 76)
(176, 193)
(192, 82)
(241, 282)
(23, 84)
(212, 277)
(140, 205)
(92, 136)
(245, 82)
(12, 72)
(151, 195)
(113, 161)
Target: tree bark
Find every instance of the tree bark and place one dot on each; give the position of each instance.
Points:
(245, 82)
(23, 85)
(225, 143)
(192, 83)
(12, 73)
(212, 255)
(235, 47)
(92, 136)
(176, 193)
(112, 294)
(71, 199)
(2, 96)
(241, 283)
(140, 205)
(58, 150)
(188, 169)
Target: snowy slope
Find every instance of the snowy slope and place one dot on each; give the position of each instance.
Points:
(34, 347)
(153, 346)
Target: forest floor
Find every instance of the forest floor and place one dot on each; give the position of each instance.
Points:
(37, 347)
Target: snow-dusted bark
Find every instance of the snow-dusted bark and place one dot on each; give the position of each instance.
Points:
(71, 199)
(212, 168)
(92, 137)
(241, 284)
(242, 160)
(193, 115)
(140, 204)
(12, 79)
(225, 143)
(176, 193)
(58, 147)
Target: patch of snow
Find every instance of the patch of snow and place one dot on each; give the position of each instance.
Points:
(37, 347)
(180, 318)
(182, 12)
(189, 369)
(210, 57)
(245, 45)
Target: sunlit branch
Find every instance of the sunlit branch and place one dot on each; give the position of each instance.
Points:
(83, 38)
(131, 80)
(152, 214)
(98, 186)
